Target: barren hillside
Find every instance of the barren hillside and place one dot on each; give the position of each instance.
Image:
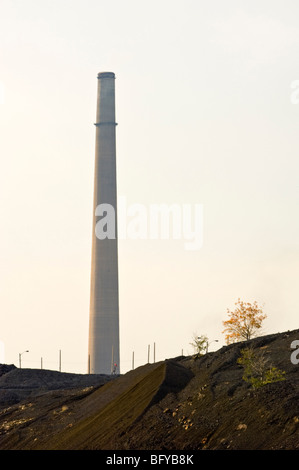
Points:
(185, 403)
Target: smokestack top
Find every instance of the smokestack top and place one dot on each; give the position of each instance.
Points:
(106, 75)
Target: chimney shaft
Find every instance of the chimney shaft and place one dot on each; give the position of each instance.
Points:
(103, 348)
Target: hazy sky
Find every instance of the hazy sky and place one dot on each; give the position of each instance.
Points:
(206, 115)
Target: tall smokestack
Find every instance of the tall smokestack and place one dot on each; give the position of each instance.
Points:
(103, 349)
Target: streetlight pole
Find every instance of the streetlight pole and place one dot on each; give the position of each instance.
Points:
(208, 344)
(20, 356)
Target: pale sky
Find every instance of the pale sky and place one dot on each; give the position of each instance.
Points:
(205, 115)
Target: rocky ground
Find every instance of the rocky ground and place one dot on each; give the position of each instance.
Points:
(185, 403)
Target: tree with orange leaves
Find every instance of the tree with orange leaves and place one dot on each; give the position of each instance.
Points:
(244, 322)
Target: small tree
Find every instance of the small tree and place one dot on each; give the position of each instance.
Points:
(244, 322)
(200, 344)
(257, 370)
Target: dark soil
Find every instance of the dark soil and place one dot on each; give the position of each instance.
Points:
(185, 403)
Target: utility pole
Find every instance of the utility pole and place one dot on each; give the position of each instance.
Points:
(112, 360)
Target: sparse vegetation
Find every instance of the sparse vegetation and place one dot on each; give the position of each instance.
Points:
(200, 344)
(257, 370)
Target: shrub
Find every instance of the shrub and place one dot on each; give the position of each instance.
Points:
(257, 371)
(200, 344)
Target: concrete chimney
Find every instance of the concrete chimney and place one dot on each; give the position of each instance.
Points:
(103, 348)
